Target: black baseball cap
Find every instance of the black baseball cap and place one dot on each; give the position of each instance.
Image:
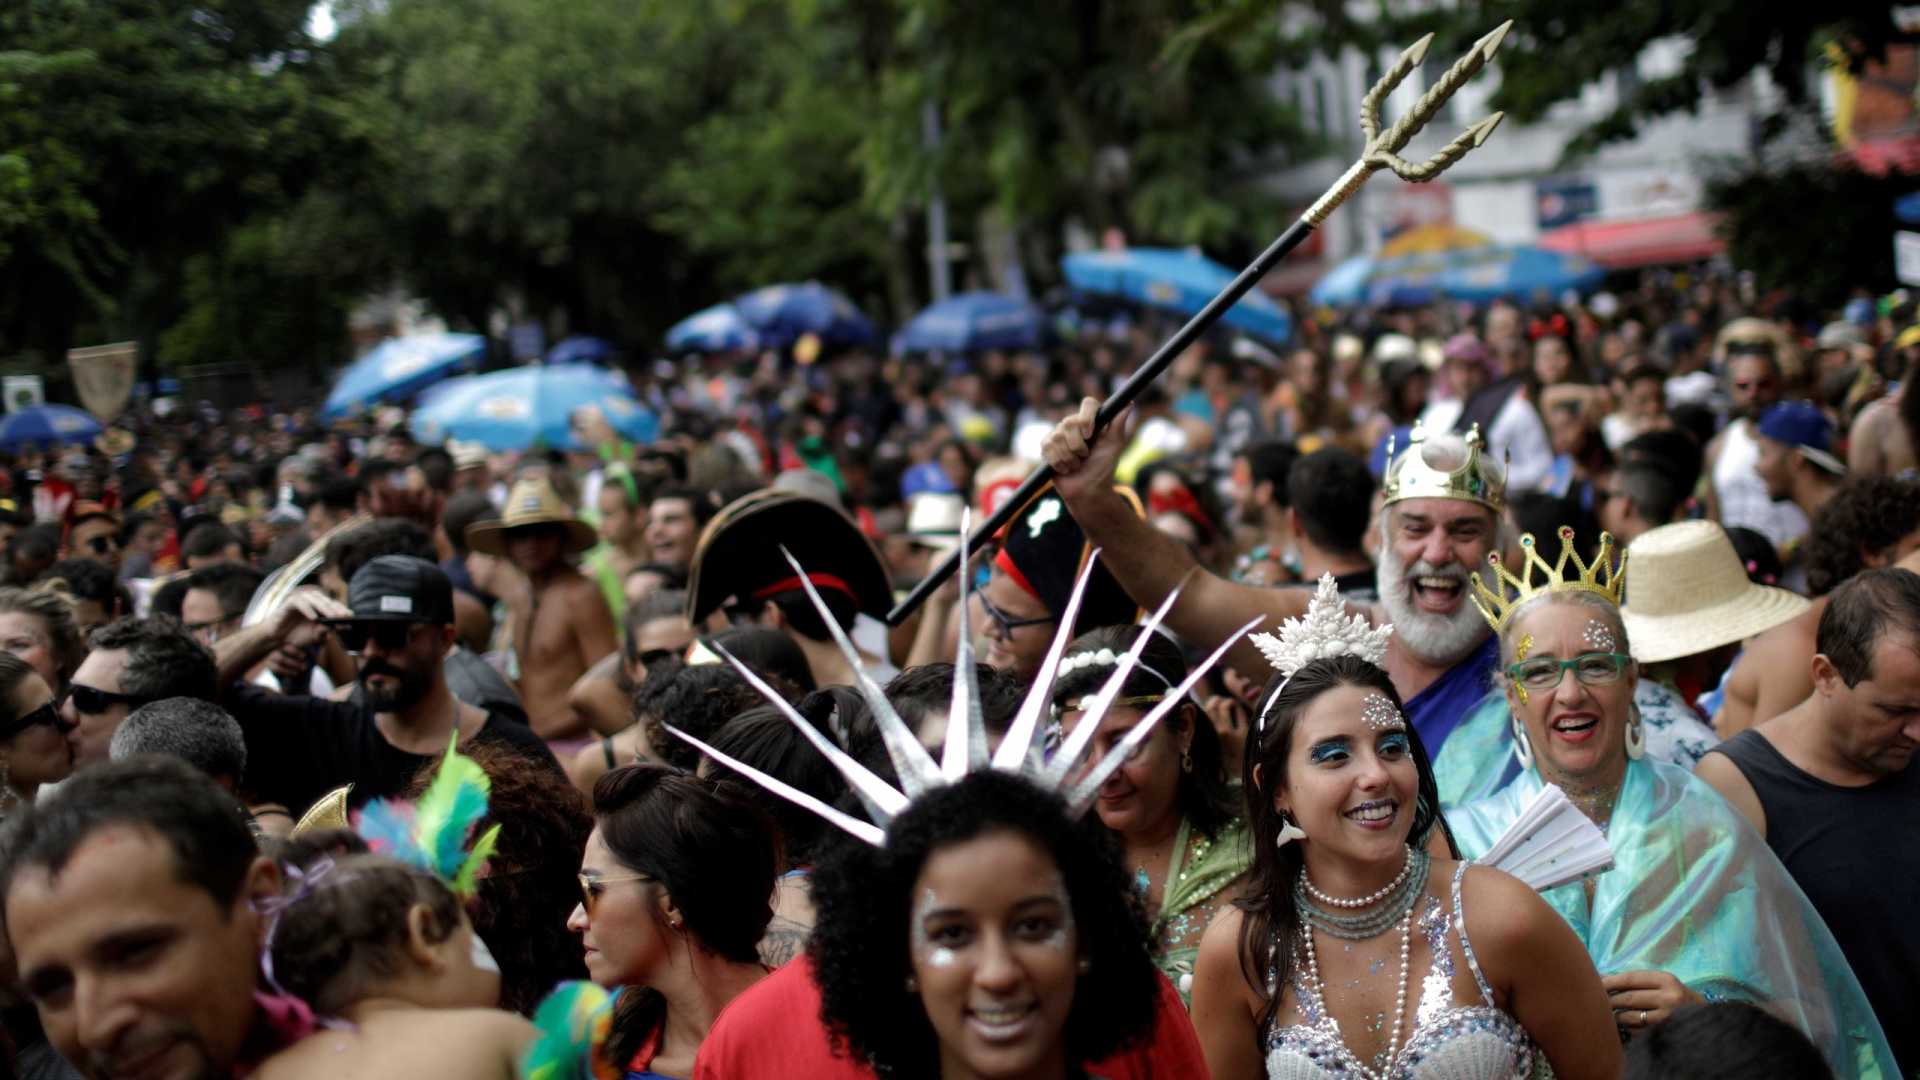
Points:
(400, 588)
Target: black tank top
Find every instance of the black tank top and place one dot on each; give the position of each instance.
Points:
(1855, 851)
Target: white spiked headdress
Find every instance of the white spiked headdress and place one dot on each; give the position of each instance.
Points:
(1326, 631)
(965, 748)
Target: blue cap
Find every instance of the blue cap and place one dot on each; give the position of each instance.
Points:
(1801, 425)
(927, 477)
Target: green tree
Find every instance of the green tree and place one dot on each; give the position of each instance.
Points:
(133, 135)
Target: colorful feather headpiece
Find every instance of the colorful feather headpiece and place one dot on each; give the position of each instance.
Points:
(431, 833)
(965, 747)
(573, 1023)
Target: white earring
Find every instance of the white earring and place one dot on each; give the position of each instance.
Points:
(1636, 734)
(1521, 748)
(1289, 832)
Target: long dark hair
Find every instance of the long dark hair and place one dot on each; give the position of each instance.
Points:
(1204, 797)
(863, 896)
(1270, 918)
(709, 848)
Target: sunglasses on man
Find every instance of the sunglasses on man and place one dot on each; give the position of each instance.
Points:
(390, 634)
(93, 701)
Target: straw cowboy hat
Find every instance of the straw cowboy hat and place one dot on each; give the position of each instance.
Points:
(1689, 593)
(531, 502)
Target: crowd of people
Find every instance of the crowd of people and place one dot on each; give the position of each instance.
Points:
(1206, 764)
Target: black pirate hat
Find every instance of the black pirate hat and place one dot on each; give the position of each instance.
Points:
(739, 559)
(1042, 552)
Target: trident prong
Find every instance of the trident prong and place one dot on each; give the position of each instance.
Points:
(1382, 150)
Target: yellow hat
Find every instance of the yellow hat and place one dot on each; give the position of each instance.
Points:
(531, 502)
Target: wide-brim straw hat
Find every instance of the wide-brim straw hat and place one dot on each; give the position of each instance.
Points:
(531, 502)
(1688, 593)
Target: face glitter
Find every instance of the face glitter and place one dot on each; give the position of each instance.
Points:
(1599, 636)
(1526, 646)
(935, 955)
(1380, 714)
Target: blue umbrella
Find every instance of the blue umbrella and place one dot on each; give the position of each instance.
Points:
(581, 349)
(399, 368)
(1179, 281)
(716, 329)
(782, 313)
(971, 321)
(1478, 275)
(527, 406)
(47, 424)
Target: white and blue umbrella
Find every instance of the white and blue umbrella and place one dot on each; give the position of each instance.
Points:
(582, 349)
(973, 321)
(530, 406)
(45, 425)
(781, 314)
(716, 329)
(399, 368)
(1175, 280)
(1474, 274)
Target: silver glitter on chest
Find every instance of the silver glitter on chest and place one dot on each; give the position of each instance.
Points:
(1379, 713)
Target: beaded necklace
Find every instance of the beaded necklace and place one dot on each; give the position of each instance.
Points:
(1398, 907)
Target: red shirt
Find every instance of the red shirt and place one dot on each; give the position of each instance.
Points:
(773, 1032)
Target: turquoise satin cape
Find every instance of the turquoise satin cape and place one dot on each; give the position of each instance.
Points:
(1696, 892)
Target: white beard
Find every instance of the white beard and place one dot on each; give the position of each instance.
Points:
(1431, 637)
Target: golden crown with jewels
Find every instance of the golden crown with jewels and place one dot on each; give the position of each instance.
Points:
(1411, 477)
(1603, 575)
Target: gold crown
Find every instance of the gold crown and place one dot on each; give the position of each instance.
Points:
(1599, 576)
(1412, 478)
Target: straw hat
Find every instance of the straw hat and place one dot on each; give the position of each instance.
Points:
(1688, 593)
(531, 502)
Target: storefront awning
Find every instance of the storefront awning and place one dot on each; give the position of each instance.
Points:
(1624, 245)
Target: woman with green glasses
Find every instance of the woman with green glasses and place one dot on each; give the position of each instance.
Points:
(1696, 907)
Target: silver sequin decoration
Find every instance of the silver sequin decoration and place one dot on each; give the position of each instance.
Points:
(1599, 636)
(1380, 714)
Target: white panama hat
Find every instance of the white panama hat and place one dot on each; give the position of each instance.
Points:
(1689, 593)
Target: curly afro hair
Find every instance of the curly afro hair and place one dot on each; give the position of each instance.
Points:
(862, 897)
(1867, 516)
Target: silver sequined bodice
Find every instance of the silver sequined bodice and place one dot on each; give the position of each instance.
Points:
(1449, 1041)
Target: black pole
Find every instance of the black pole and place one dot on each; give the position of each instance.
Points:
(1112, 407)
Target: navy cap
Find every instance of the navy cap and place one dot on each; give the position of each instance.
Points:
(1801, 425)
(400, 588)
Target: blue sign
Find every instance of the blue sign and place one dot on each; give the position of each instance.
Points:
(1563, 200)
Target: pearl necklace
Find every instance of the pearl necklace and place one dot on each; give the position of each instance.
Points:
(1365, 901)
(1399, 1002)
(1363, 925)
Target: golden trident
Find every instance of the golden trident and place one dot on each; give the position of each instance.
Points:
(1382, 151)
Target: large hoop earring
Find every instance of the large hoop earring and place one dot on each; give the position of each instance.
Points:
(1636, 733)
(1521, 748)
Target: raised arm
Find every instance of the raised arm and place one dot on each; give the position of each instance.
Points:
(296, 623)
(1148, 563)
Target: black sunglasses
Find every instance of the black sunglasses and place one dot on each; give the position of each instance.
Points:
(87, 699)
(48, 714)
(388, 634)
(650, 657)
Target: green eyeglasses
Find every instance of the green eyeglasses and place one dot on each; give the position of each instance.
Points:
(1592, 669)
